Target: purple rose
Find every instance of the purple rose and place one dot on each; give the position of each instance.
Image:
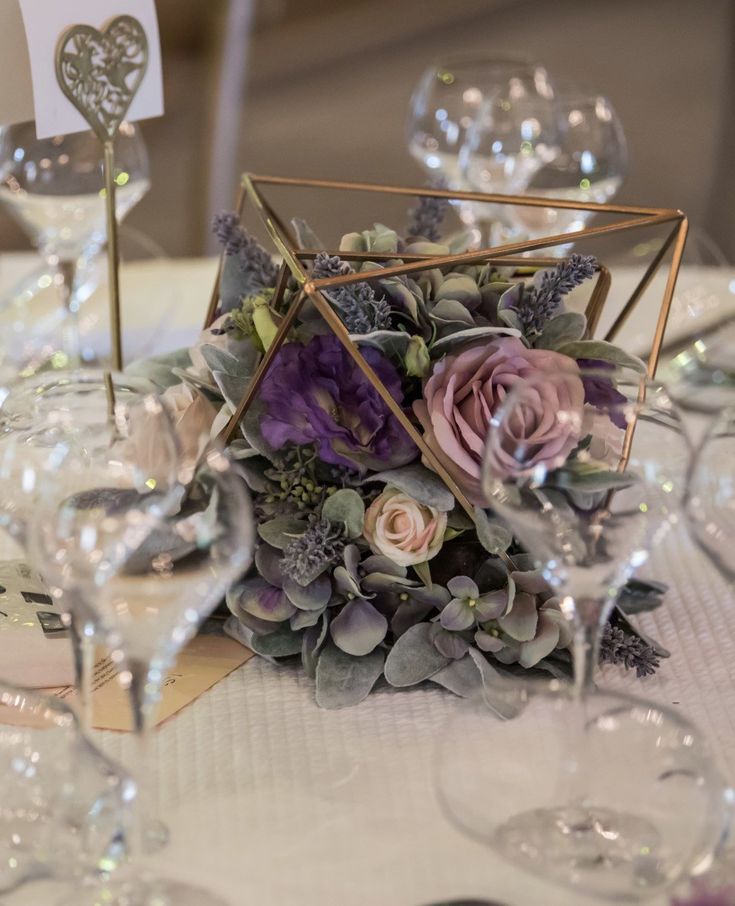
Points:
(316, 394)
(466, 390)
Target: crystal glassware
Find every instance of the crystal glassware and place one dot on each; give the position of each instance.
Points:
(446, 104)
(587, 467)
(63, 802)
(589, 167)
(56, 431)
(151, 567)
(54, 188)
(710, 503)
(650, 774)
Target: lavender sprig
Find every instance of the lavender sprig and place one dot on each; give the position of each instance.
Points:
(619, 647)
(253, 258)
(326, 266)
(360, 309)
(321, 545)
(426, 218)
(539, 306)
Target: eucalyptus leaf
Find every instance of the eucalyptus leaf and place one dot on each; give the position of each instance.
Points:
(232, 388)
(198, 381)
(346, 506)
(604, 351)
(492, 535)
(284, 642)
(423, 571)
(343, 680)
(281, 531)
(250, 427)
(219, 359)
(414, 657)
(418, 482)
(510, 317)
(565, 328)
(460, 287)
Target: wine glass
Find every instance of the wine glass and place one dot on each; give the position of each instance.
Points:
(710, 503)
(54, 188)
(57, 428)
(63, 801)
(447, 102)
(589, 167)
(152, 566)
(587, 466)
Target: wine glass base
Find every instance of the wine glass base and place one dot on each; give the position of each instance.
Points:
(148, 892)
(583, 845)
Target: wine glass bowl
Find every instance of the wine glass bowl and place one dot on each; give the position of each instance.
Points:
(447, 102)
(55, 187)
(589, 167)
(652, 775)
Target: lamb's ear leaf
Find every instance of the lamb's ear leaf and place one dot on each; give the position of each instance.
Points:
(343, 680)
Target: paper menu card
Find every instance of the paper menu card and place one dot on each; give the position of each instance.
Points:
(203, 663)
(34, 56)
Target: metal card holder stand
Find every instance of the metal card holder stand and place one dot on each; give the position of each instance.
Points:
(296, 259)
(100, 73)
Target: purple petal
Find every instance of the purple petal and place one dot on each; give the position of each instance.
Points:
(264, 601)
(520, 624)
(457, 615)
(358, 629)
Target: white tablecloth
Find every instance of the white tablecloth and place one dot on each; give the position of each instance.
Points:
(273, 801)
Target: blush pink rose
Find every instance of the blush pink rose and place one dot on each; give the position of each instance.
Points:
(402, 529)
(465, 391)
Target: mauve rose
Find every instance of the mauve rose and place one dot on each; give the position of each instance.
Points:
(402, 529)
(465, 391)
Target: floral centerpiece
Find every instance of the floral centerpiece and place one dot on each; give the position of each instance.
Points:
(367, 567)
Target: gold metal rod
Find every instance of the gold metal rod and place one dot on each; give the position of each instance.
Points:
(310, 255)
(280, 289)
(110, 388)
(519, 200)
(214, 298)
(642, 286)
(465, 257)
(284, 229)
(113, 257)
(663, 316)
(597, 299)
(285, 250)
(227, 433)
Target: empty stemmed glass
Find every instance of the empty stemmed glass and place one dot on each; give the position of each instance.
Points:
(151, 567)
(55, 189)
(587, 466)
(56, 431)
(589, 167)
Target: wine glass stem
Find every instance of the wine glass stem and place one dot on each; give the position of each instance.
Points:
(66, 280)
(83, 649)
(144, 693)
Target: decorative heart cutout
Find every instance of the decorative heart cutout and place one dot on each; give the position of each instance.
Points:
(101, 71)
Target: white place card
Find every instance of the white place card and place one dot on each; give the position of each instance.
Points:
(45, 21)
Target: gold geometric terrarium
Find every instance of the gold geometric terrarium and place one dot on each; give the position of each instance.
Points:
(297, 262)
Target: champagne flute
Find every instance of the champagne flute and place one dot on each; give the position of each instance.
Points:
(588, 468)
(54, 188)
(152, 567)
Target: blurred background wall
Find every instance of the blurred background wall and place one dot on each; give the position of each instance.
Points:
(328, 84)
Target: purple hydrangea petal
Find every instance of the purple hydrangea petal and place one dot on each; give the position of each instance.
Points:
(358, 629)
(520, 624)
(457, 615)
(264, 601)
(463, 587)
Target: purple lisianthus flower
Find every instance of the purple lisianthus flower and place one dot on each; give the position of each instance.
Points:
(600, 392)
(316, 394)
